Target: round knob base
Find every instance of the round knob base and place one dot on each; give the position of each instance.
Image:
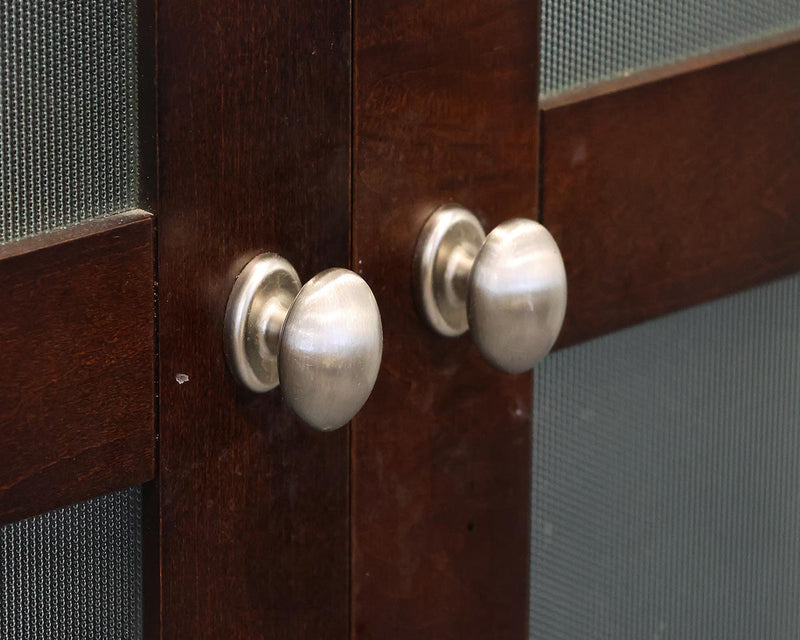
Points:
(257, 306)
(446, 249)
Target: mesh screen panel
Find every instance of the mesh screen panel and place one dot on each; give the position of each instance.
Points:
(68, 112)
(74, 573)
(666, 488)
(584, 41)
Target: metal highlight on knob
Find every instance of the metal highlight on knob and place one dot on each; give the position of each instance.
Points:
(509, 288)
(322, 343)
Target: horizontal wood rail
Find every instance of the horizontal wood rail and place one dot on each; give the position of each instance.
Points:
(76, 371)
(675, 191)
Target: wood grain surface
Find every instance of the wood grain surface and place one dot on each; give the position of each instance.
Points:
(76, 372)
(676, 191)
(445, 111)
(254, 155)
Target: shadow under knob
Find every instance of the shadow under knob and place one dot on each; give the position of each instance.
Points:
(322, 343)
(509, 288)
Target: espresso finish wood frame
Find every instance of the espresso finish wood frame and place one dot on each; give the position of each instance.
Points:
(76, 328)
(445, 111)
(253, 156)
(416, 523)
(663, 189)
(676, 190)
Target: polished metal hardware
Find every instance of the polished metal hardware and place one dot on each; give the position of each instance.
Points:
(509, 288)
(321, 343)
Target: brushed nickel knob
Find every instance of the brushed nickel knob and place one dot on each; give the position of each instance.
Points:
(321, 343)
(509, 288)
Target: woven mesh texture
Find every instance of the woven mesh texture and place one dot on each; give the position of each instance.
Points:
(584, 41)
(68, 112)
(666, 478)
(74, 573)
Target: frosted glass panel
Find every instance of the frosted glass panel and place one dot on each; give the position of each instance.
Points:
(74, 573)
(666, 477)
(584, 41)
(68, 112)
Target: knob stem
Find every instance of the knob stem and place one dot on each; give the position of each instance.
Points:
(273, 317)
(456, 275)
(257, 308)
(446, 251)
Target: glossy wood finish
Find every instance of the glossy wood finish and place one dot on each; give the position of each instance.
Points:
(254, 155)
(676, 191)
(445, 110)
(76, 381)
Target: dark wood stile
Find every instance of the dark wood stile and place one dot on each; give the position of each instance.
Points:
(677, 190)
(76, 394)
(445, 110)
(148, 183)
(254, 155)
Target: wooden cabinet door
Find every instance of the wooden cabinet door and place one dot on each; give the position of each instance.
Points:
(77, 325)
(254, 156)
(665, 188)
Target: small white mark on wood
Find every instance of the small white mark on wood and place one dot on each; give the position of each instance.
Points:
(181, 378)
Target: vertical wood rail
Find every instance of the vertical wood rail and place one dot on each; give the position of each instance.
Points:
(446, 110)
